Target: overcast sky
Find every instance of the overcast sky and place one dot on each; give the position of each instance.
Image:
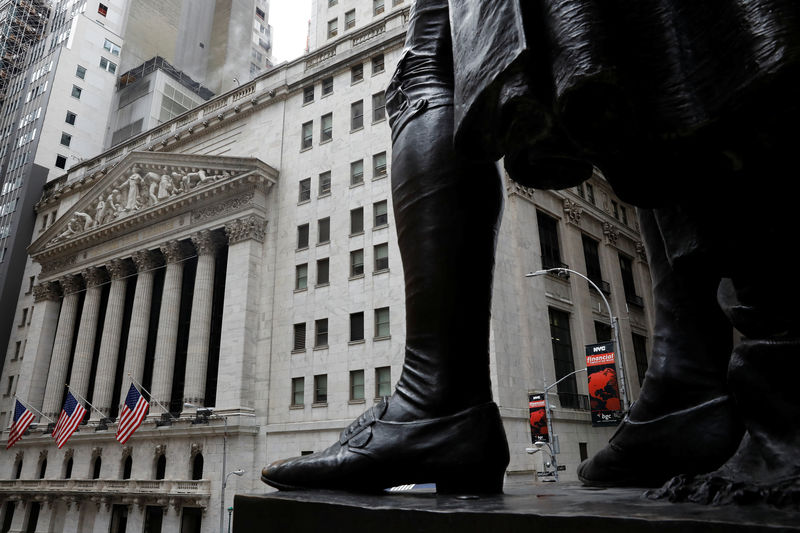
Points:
(289, 21)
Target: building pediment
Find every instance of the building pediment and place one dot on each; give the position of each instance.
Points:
(145, 188)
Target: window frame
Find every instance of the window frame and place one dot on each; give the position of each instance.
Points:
(380, 214)
(357, 115)
(298, 390)
(307, 135)
(320, 333)
(381, 321)
(357, 390)
(326, 133)
(304, 191)
(357, 263)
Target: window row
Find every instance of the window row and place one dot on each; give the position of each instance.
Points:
(379, 170)
(357, 393)
(357, 111)
(381, 330)
(356, 75)
(380, 219)
(380, 254)
(326, 121)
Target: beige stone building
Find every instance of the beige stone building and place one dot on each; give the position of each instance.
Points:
(242, 258)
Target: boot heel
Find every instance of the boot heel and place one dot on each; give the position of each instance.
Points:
(466, 483)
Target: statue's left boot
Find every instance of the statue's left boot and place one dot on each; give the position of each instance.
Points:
(440, 425)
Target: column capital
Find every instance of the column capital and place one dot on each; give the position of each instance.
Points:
(175, 251)
(249, 227)
(71, 283)
(94, 277)
(145, 260)
(47, 291)
(207, 242)
(119, 268)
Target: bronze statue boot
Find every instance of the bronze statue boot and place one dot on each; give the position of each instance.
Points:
(766, 467)
(684, 420)
(463, 453)
(440, 425)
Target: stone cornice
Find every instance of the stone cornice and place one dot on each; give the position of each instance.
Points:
(249, 227)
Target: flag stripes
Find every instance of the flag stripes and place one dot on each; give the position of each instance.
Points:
(22, 419)
(71, 416)
(132, 414)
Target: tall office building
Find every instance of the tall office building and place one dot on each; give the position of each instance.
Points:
(239, 262)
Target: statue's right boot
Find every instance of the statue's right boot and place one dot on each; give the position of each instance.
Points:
(440, 425)
(683, 421)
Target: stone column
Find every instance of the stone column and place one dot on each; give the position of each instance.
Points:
(72, 517)
(84, 347)
(146, 261)
(59, 362)
(21, 510)
(136, 517)
(39, 345)
(102, 520)
(240, 312)
(174, 252)
(172, 518)
(109, 342)
(47, 510)
(194, 386)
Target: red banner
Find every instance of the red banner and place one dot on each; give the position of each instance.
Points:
(538, 418)
(603, 387)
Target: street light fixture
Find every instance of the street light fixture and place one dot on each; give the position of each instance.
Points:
(238, 472)
(623, 389)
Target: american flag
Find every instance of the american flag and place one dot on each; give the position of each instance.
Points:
(22, 419)
(132, 414)
(71, 415)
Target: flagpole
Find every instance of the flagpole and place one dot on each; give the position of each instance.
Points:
(29, 406)
(87, 402)
(151, 396)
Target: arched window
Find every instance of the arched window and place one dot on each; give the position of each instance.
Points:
(42, 468)
(98, 464)
(18, 469)
(161, 466)
(197, 466)
(127, 466)
(68, 469)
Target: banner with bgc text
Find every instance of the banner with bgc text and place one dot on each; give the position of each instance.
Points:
(603, 388)
(538, 418)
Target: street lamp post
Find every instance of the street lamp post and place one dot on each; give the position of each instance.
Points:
(238, 472)
(623, 389)
(553, 445)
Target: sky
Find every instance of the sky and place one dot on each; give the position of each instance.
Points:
(289, 21)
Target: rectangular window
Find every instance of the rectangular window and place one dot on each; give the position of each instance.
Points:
(591, 254)
(382, 323)
(356, 327)
(323, 271)
(378, 106)
(357, 115)
(298, 386)
(323, 230)
(383, 381)
(70, 118)
(302, 236)
(381, 253)
(563, 359)
(107, 65)
(61, 161)
(66, 138)
(626, 269)
(548, 240)
(114, 49)
(102, 9)
(615, 209)
(326, 128)
(377, 64)
(80, 72)
(623, 215)
(301, 277)
(333, 28)
(380, 214)
(31, 281)
(76, 92)
(260, 13)
(357, 73)
(350, 19)
(321, 388)
(321, 333)
(325, 183)
(377, 7)
(24, 317)
(299, 337)
(640, 352)
(17, 350)
(304, 194)
(327, 86)
(308, 94)
(332, 3)
(356, 385)
(356, 263)
(590, 193)
(357, 172)
(356, 221)
(602, 332)
(307, 135)
(379, 165)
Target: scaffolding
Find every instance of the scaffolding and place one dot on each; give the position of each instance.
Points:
(22, 23)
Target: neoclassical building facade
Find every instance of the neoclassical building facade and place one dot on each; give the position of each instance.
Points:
(240, 263)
